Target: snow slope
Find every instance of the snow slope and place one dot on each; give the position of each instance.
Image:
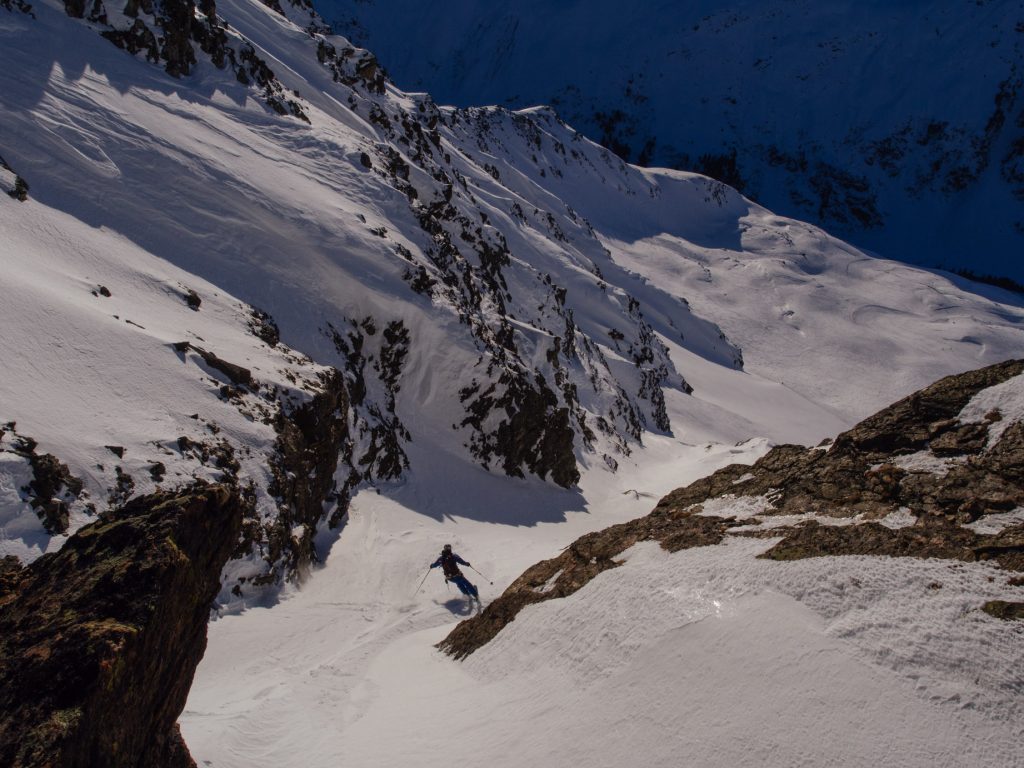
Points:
(706, 656)
(896, 126)
(93, 375)
(429, 254)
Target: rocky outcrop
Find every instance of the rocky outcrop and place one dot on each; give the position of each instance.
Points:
(535, 433)
(17, 5)
(961, 475)
(10, 182)
(856, 476)
(53, 489)
(311, 440)
(99, 642)
(169, 32)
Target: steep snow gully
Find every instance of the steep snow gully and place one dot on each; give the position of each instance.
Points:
(224, 265)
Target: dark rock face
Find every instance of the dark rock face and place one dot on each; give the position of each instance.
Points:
(262, 325)
(99, 642)
(312, 422)
(10, 574)
(853, 478)
(17, 5)
(238, 375)
(311, 439)
(536, 432)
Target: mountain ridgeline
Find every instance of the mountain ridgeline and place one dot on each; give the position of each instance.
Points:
(865, 118)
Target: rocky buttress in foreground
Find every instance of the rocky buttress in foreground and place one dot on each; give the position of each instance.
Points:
(99, 641)
(962, 471)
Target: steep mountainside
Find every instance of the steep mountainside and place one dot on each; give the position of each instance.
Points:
(234, 254)
(477, 284)
(897, 126)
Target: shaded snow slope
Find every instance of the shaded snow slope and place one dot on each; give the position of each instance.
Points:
(896, 126)
(109, 368)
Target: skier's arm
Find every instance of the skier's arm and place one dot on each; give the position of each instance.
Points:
(436, 563)
(460, 561)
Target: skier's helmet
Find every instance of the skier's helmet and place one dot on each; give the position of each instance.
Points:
(447, 548)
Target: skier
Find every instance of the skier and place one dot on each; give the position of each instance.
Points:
(449, 562)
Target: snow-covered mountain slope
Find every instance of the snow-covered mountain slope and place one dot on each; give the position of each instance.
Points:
(696, 648)
(259, 262)
(491, 285)
(131, 374)
(897, 126)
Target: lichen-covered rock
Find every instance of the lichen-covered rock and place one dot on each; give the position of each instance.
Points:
(1005, 610)
(857, 477)
(99, 642)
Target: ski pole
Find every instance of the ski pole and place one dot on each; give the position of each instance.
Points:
(424, 579)
(485, 578)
